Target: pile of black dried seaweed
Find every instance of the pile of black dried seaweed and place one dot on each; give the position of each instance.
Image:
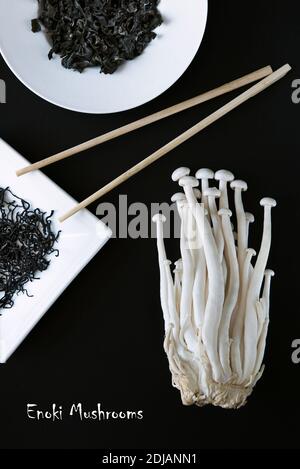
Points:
(26, 240)
(101, 33)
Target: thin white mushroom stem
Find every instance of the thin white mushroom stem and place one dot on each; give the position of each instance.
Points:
(240, 311)
(232, 291)
(179, 198)
(263, 305)
(188, 268)
(159, 219)
(249, 219)
(246, 272)
(267, 288)
(191, 233)
(197, 193)
(213, 310)
(264, 330)
(169, 349)
(240, 186)
(250, 329)
(177, 284)
(197, 252)
(225, 271)
(212, 193)
(196, 242)
(172, 353)
(174, 319)
(224, 176)
(204, 174)
(261, 314)
(261, 347)
(199, 298)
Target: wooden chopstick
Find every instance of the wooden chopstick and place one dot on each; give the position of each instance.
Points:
(253, 91)
(233, 85)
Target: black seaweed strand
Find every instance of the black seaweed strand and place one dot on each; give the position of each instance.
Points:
(102, 33)
(26, 242)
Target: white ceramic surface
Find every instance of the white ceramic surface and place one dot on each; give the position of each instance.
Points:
(81, 238)
(135, 83)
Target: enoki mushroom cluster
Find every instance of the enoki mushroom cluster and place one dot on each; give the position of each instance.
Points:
(216, 307)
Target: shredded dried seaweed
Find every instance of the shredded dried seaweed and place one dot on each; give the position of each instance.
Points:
(35, 26)
(26, 242)
(103, 33)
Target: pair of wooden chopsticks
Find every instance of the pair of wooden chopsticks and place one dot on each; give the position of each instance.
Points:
(267, 79)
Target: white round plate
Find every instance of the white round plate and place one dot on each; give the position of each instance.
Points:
(135, 83)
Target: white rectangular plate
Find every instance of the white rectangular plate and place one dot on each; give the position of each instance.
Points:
(82, 236)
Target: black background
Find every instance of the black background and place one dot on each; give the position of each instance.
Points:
(102, 340)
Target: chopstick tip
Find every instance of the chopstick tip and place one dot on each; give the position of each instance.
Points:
(22, 171)
(269, 69)
(286, 68)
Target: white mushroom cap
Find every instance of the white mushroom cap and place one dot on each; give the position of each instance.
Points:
(167, 262)
(178, 197)
(179, 173)
(159, 217)
(269, 273)
(224, 175)
(249, 217)
(205, 173)
(238, 184)
(178, 264)
(197, 193)
(225, 211)
(212, 192)
(268, 202)
(188, 181)
(251, 251)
